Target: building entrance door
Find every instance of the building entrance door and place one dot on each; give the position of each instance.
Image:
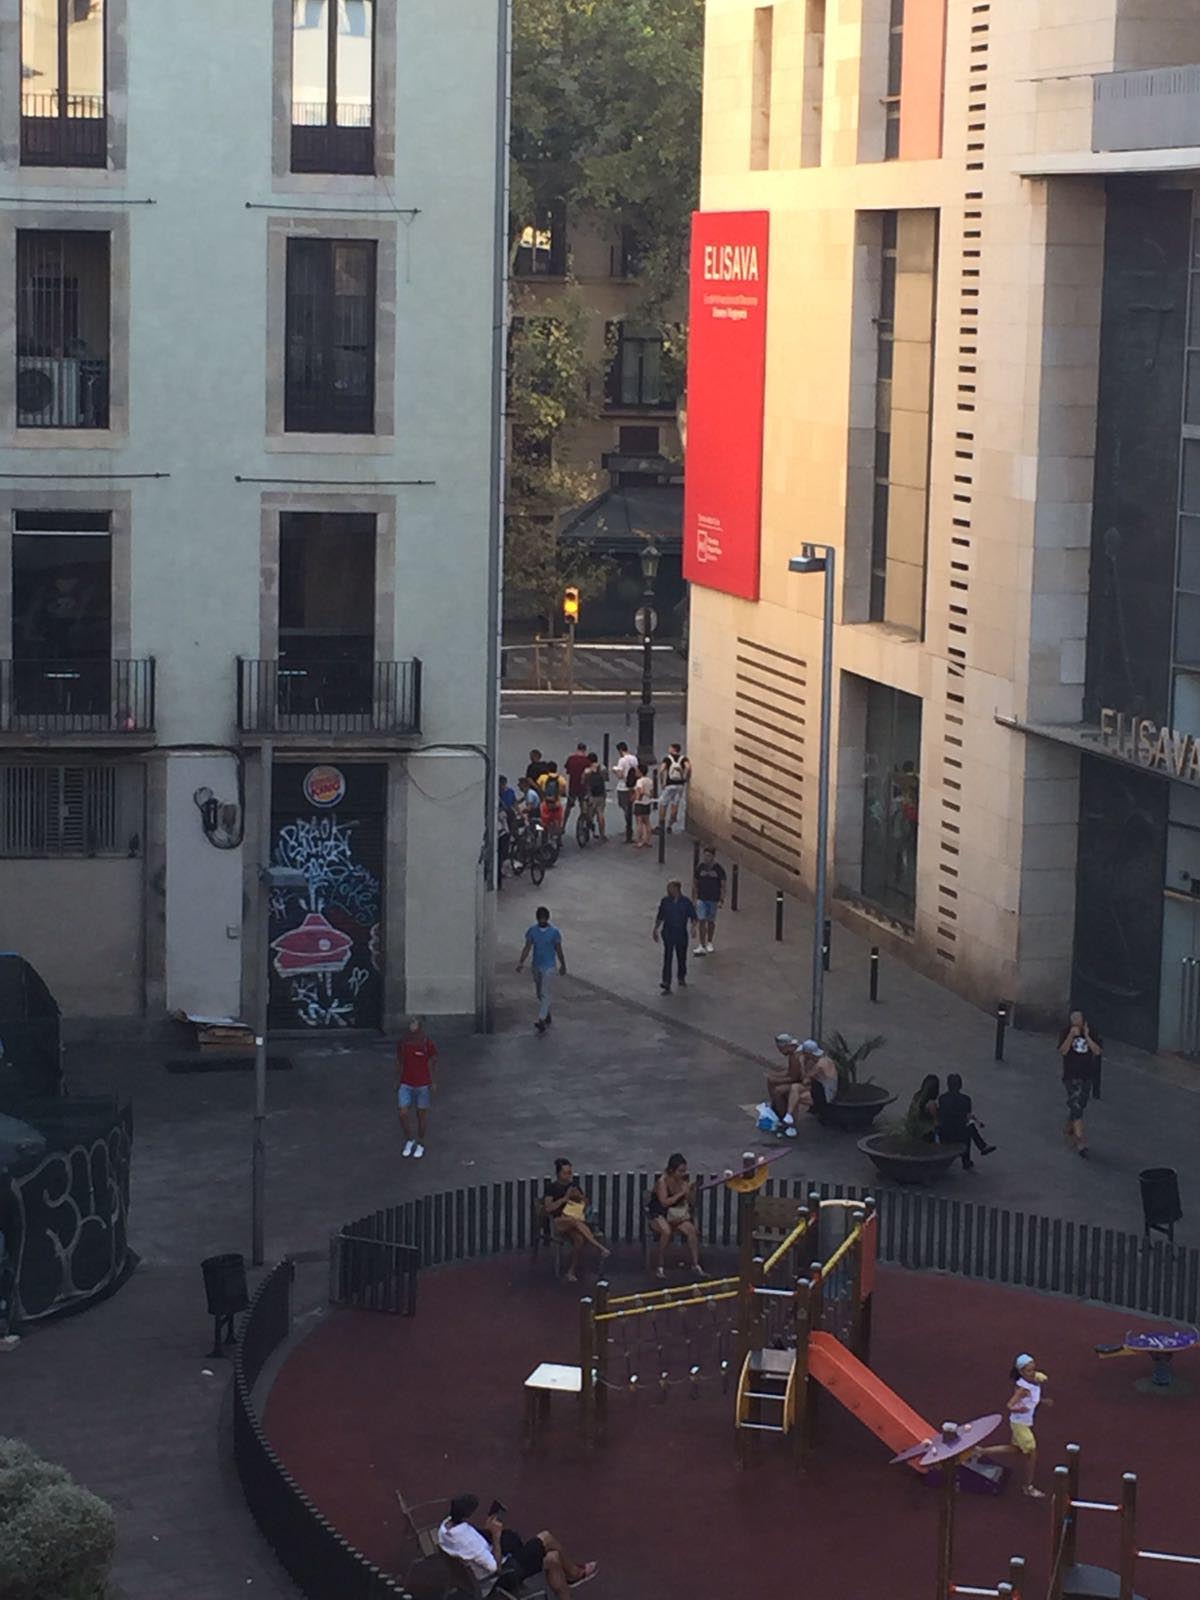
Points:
(1179, 1005)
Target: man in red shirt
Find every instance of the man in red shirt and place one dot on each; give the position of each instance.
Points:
(415, 1057)
(575, 766)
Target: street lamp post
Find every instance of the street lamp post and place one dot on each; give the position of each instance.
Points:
(821, 558)
(647, 621)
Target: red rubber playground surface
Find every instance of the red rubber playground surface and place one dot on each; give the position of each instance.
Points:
(432, 1406)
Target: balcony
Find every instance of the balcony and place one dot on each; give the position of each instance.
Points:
(100, 700)
(345, 145)
(1157, 109)
(329, 699)
(71, 131)
(1101, 124)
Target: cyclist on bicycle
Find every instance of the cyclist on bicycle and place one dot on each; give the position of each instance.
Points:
(595, 794)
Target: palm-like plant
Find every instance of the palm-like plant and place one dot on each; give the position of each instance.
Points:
(847, 1060)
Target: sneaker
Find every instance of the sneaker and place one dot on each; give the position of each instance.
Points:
(708, 950)
(699, 950)
(660, 1272)
(408, 1147)
(590, 1569)
(1083, 1151)
(539, 1026)
(10, 1341)
(791, 1133)
(418, 1151)
(549, 1018)
(988, 1149)
(664, 988)
(683, 983)
(789, 1120)
(1032, 1493)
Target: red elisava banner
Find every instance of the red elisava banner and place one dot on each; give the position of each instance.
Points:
(727, 364)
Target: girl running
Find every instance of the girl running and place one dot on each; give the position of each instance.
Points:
(1022, 1408)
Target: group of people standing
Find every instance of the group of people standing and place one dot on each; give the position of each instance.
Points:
(548, 795)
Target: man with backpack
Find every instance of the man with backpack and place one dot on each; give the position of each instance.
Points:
(595, 793)
(622, 767)
(550, 787)
(674, 775)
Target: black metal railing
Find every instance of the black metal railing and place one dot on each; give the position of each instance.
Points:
(323, 1564)
(62, 392)
(329, 697)
(63, 130)
(373, 1268)
(83, 696)
(345, 144)
(923, 1232)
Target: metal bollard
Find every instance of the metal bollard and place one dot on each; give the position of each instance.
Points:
(1001, 1025)
(606, 750)
(662, 840)
(875, 974)
(779, 915)
(695, 858)
(826, 934)
(733, 887)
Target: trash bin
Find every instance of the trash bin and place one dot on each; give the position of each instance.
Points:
(225, 1285)
(1160, 1199)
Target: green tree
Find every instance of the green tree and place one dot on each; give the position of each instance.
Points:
(606, 118)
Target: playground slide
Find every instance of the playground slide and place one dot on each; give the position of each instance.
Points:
(865, 1395)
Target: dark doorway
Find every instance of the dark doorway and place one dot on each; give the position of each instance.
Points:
(328, 821)
(62, 612)
(326, 613)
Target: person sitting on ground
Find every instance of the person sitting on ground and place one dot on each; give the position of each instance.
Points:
(957, 1123)
(498, 1556)
(920, 1121)
(566, 1206)
(670, 1211)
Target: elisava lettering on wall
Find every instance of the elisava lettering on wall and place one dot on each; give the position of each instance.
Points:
(1148, 744)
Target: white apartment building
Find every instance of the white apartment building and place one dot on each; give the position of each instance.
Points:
(251, 304)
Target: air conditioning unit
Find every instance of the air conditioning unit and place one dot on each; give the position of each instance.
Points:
(48, 392)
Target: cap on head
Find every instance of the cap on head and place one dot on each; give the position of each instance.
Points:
(812, 1048)
(787, 1041)
(1022, 1362)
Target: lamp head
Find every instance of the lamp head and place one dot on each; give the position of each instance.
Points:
(650, 558)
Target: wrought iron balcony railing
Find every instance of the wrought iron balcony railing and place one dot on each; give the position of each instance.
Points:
(63, 131)
(77, 697)
(329, 697)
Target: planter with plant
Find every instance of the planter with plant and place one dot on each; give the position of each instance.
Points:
(56, 1539)
(902, 1159)
(859, 1100)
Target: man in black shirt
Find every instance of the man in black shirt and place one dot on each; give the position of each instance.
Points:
(708, 889)
(956, 1122)
(1081, 1050)
(676, 914)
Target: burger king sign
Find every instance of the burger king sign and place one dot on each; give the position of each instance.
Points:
(324, 787)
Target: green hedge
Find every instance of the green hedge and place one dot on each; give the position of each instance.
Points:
(56, 1539)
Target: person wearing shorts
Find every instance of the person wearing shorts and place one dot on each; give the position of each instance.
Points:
(1080, 1050)
(500, 1560)
(416, 1055)
(674, 775)
(1022, 1409)
(708, 891)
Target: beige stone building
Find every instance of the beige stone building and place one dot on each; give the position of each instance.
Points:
(983, 389)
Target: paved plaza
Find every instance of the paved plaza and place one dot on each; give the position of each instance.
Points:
(123, 1395)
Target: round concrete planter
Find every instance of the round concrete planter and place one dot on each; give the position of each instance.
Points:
(903, 1160)
(856, 1107)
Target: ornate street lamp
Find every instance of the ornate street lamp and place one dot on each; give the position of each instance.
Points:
(646, 621)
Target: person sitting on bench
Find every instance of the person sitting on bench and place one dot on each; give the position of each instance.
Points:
(565, 1204)
(498, 1556)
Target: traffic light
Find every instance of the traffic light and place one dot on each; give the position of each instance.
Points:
(570, 604)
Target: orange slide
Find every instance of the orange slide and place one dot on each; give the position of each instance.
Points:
(866, 1396)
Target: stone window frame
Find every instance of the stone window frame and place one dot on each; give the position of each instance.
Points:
(283, 179)
(384, 232)
(48, 220)
(116, 97)
(382, 507)
(119, 505)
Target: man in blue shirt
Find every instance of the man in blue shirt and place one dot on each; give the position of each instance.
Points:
(676, 914)
(544, 942)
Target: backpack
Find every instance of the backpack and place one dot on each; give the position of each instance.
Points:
(597, 782)
(550, 790)
(675, 769)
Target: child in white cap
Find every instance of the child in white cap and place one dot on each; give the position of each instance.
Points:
(1022, 1408)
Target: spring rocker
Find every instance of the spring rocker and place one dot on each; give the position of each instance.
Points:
(1072, 1580)
(1162, 1345)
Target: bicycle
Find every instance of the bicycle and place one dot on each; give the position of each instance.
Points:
(528, 850)
(587, 826)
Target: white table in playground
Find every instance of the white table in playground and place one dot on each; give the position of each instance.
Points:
(547, 1378)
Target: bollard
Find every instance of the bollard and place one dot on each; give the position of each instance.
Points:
(826, 935)
(875, 974)
(1001, 1025)
(606, 752)
(779, 915)
(733, 887)
(662, 840)
(695, 858)
(628, 699)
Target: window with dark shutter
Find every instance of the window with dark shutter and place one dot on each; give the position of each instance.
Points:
(329, 383)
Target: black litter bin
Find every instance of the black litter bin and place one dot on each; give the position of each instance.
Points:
(1160, 1199)
(225, 1285)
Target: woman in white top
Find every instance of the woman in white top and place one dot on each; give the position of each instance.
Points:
(643, 799)
(1022, 1408)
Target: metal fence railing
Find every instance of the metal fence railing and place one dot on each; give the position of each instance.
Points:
(329, 697)
(77, 696)
(323, 1564)
(372, 1268)
(919, 1231)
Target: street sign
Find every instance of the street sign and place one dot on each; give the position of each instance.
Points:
(645, 620)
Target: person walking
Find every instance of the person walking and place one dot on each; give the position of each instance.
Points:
(675, 915)
(416, 1056)
(674, 775)
(1082, 1052)
(957, 1123)
(575, 766)
(708, 891)
(622, 767)
(643, 803)
(1022, 1408)
(544, 943)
